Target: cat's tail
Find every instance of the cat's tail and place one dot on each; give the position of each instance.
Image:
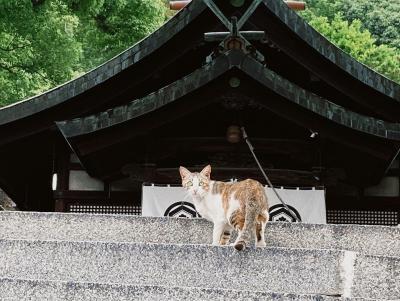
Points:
(250, 221)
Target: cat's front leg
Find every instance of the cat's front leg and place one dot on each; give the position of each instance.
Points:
(218, 230)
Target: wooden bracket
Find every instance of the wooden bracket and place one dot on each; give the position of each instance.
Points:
(234, 38)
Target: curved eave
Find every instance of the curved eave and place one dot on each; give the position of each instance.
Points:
(75, 87)
(209, 72)
(332, 52)
(176, 24)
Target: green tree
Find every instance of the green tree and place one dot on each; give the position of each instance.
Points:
(51, 41)
(38, 49)
(321, 8)
(109, 27)
(359, 43)
(46, 44)
(380, 17)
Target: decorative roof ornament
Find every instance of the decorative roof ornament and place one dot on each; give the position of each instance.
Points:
(234, 38)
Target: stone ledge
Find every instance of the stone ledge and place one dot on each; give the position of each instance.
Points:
(21, 290)
(372, 240)
(377, 277)
(297, 271)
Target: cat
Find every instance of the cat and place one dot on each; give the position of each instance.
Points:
(241, 206)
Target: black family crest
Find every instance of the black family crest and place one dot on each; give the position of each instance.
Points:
(181, 209)
(278, 213)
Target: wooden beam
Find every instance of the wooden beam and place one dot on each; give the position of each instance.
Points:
(291, 149)
(177, 5)
(92, 195)
(216, 144)
(220, 36)
(59, 205)
(296, 5)
(170, 175)
(281, 177)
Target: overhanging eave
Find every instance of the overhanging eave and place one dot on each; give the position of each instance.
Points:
(290, 33)
(104, 72)
(208, 73)
(94, 134)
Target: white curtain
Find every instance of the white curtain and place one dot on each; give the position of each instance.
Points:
(308, 204)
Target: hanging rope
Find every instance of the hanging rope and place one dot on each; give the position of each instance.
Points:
(246, 138)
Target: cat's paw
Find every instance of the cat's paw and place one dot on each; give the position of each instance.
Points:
(240, 245)
(261, 244)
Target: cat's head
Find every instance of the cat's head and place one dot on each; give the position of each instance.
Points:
(196, 183)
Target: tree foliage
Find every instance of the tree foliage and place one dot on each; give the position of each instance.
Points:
(38, 48)
(353, 37)
(109, 27)
(380, 17)
(44, 43)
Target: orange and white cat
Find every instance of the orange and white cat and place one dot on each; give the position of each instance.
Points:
(241, 206)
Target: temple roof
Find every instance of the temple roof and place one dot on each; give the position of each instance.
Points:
(284, 28)
(92, 135)
(232, 60)
(304, 83)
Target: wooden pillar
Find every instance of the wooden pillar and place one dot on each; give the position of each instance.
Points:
(62, 160)
(59, 205)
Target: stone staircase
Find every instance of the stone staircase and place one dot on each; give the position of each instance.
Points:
(52, 256)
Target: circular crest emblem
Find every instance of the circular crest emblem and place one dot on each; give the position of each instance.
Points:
(181, 209)
(278, 213)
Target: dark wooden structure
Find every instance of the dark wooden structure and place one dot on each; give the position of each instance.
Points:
(169, 100)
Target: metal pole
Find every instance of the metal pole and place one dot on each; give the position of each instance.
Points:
(246, 138)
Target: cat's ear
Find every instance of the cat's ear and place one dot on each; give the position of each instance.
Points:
(184, 172)
(206, 171)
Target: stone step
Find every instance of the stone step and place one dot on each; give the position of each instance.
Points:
(372, 240)
(376, 277)
(279, 270)
(299, 271)
(282, 270)
(24, 290)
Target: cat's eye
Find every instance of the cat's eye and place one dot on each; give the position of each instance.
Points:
(202, 183)
(190, 183)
